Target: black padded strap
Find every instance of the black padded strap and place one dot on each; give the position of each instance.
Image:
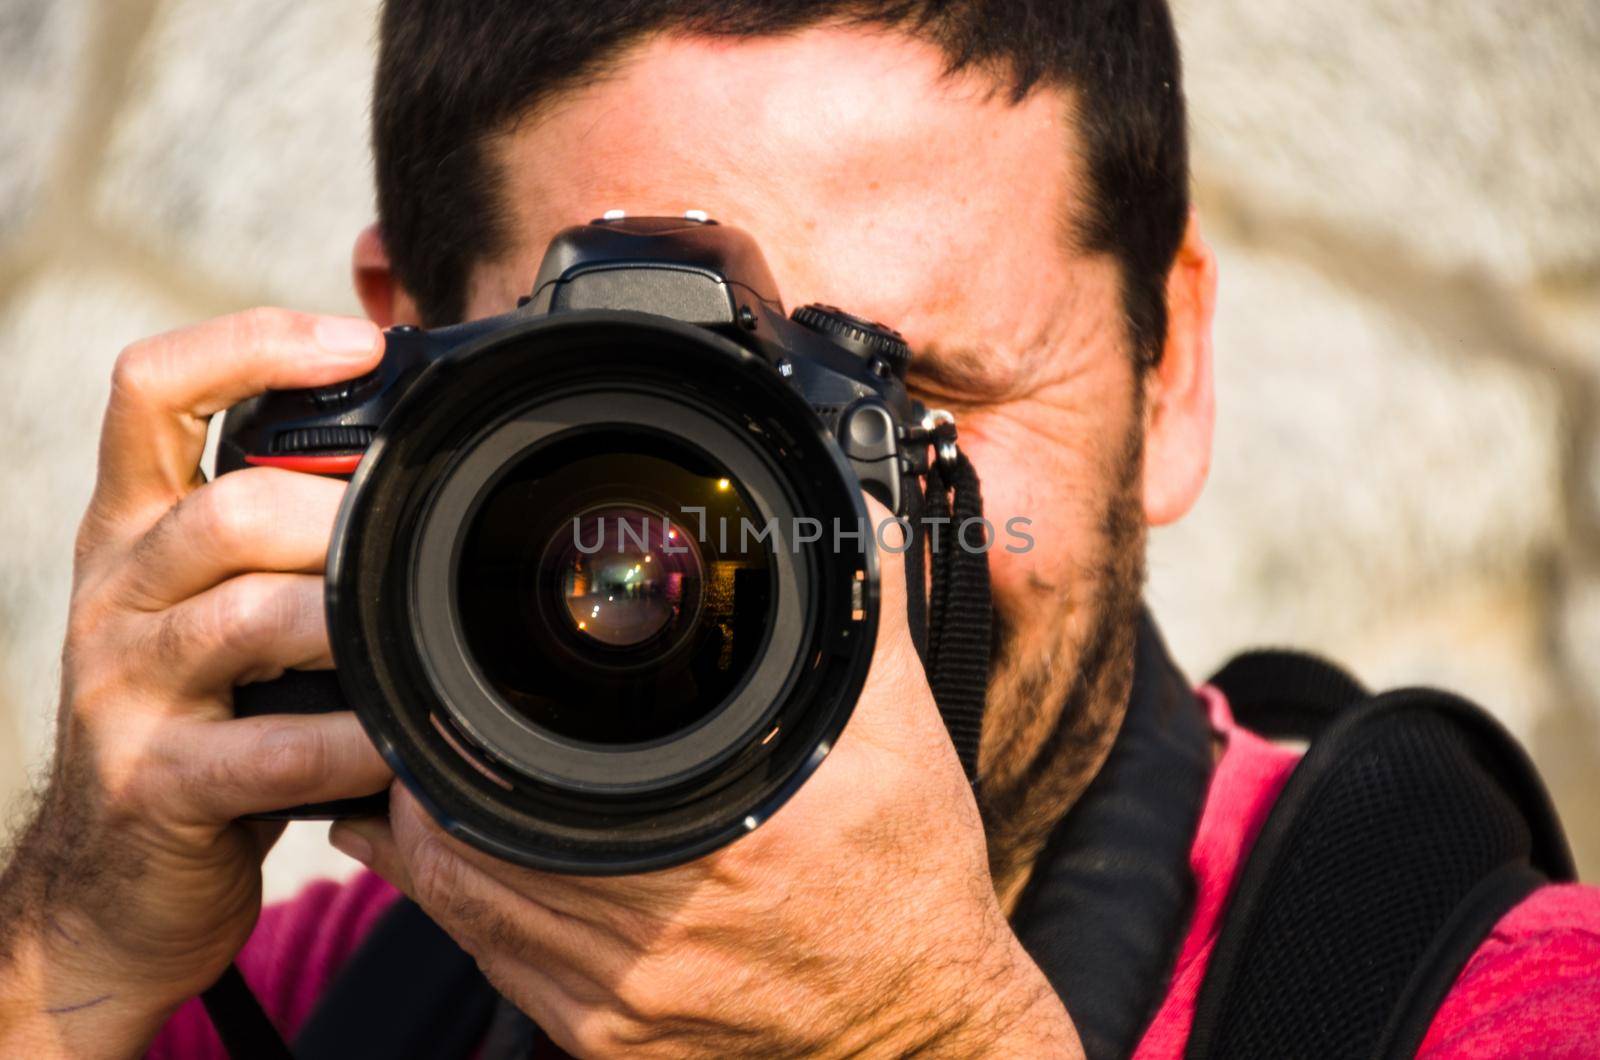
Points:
(1283, 694)
(1411, 823)
(1453, 946)
(1104, 913)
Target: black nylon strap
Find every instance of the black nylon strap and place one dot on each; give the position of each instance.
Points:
(240, 1021)
(960, 610)
(916, 570)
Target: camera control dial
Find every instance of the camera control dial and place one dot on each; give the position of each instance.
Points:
(865, 338)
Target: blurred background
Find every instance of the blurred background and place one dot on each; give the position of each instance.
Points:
(1404, 194)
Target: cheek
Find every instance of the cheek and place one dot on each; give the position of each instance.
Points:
(1061, 489)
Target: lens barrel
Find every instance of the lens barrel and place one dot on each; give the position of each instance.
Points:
(568, 600)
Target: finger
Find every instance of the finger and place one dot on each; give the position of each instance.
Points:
(552, 995)
(890, 536)
(249, 628)
(164, 389)
(896, 710)
(493, 906)
(370, 841)
(593, 901)
(258, 519)
(566, 1019)
(220, 770)
(894, 656)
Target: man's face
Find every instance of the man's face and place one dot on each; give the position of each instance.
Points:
(938, 206)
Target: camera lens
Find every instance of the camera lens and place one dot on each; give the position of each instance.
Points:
(580, 595)
(590, 599)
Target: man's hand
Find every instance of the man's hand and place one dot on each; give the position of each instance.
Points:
(861, 918)
(135, 885)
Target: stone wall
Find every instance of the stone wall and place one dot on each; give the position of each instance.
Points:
(1405, 197)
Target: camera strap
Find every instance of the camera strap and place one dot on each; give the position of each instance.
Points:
(952, 625)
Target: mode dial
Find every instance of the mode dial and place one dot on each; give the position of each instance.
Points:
(865, 338)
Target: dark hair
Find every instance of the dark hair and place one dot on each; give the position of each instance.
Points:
(450, 75)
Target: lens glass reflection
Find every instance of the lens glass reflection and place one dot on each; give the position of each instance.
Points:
(605, 589)
(629, 576)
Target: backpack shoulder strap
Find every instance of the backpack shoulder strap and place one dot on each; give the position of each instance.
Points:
(1412, 824)
(1283, 694)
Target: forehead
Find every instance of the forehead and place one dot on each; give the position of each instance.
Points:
(869, 178)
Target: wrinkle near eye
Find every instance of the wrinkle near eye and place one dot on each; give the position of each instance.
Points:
(964, 376)
(1061, 338)
(934, 395)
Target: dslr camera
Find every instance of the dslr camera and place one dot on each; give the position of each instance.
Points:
(603, 589)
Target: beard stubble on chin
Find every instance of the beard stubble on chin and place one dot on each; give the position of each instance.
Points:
(1057, 696)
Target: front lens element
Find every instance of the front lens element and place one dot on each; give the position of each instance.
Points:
(630, 578)
(606, 591)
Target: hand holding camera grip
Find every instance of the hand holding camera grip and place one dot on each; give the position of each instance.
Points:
(305, 692)
(316, 432)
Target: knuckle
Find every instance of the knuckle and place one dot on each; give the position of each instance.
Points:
(290, 753)
(436, 874)
(136, 370)
(126, 773)
(440, 878)
(94, 677)
(136, 783)
(246, 610)
(745, 859)
(602, 1032)
(229, 512)
(657, 938)
(186, 778)
(93, 531)
(124, 787)
(88, 618)
(98, 669)
(642, 1001)
(231, 619)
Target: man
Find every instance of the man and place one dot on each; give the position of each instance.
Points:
(1006, 183)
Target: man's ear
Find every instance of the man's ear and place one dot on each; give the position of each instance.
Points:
(386, 303)
(1179, 398)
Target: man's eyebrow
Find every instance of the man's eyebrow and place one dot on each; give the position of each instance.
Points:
(963, 373)
(953, 368)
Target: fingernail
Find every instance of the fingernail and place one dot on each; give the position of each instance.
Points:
(351, 844)
(346, 336)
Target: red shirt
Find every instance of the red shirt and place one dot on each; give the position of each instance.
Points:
(1531, 989)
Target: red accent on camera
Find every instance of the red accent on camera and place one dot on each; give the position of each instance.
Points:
(335, 464)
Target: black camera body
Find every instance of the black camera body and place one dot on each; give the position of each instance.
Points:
(556, 693)
(851, 371)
